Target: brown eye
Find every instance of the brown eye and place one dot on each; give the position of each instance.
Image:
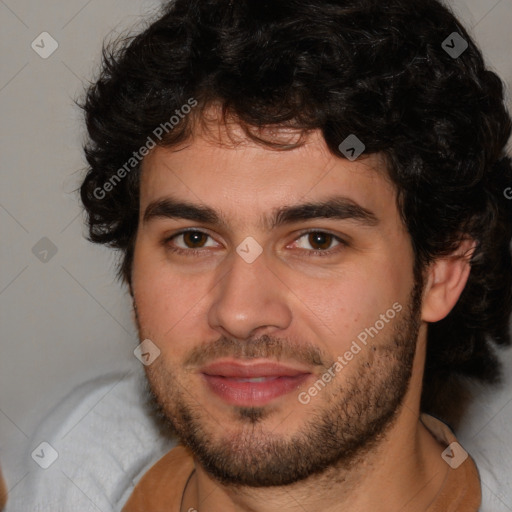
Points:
(320, 240)
(190, 241)
(194, 239)
(320, 243)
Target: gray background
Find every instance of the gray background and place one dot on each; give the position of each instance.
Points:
(66, 320)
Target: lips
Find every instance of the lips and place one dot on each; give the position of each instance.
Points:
(252, 384)
(231, 369)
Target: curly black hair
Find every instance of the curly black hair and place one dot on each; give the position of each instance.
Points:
(379, 70)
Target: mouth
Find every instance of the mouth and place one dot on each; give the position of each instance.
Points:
(253, 384)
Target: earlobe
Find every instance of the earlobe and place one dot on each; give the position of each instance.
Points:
(447, 278)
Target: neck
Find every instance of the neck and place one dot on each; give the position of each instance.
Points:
(404, 472)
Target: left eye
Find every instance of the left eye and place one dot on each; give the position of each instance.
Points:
(321, 239)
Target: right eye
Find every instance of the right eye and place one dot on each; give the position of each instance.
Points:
(192, 240)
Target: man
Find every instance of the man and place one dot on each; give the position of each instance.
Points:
(308, 197)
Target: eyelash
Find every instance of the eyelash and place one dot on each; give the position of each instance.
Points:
(197, 252)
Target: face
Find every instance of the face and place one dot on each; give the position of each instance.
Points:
(278, 287)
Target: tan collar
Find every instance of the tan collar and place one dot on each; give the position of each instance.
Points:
(461, 491)
(3, 492)
(162, 486)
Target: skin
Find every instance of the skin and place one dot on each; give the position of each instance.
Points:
(192, 304)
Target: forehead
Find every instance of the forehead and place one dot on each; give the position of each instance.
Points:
(243, 178)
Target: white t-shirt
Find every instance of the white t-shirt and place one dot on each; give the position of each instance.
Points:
(105, 440)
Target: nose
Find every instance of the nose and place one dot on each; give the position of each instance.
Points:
(250, 300)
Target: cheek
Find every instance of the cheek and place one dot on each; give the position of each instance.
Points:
(170, 305)
(340, 308)
(162, 298)
(166, 306)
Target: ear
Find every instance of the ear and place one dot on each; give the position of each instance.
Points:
(447, 278)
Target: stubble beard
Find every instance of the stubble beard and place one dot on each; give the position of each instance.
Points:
(346, 421)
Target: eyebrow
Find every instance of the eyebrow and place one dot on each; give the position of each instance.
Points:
(337, 207)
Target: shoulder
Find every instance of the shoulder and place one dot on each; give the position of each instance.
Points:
(486, 434)
(89, 451)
